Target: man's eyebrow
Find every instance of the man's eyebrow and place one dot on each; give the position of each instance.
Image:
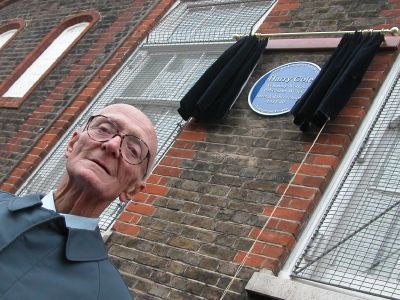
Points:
(122, 129)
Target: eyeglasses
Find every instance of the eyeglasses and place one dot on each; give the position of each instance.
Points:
(132, 149)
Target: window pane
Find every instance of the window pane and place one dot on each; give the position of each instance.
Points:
(207, 21)
(5, 36)
(33, 73)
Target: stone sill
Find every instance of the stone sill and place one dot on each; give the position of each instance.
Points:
(267, 284)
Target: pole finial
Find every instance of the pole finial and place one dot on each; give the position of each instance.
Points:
(394, 30)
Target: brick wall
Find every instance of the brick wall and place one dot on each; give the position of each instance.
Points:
(183, 237)
(207, 201)
(214, 190)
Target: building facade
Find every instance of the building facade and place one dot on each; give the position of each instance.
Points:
(246, 208)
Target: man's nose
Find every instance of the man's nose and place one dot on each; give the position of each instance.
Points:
(112, 146)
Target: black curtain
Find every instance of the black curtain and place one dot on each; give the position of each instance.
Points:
(214, 93)
(337, 80)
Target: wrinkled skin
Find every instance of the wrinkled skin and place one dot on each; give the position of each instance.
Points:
(96, 173)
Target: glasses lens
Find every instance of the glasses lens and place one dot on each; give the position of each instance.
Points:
(101, 129)
(133, 149)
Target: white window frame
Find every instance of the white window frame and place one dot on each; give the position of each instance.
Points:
(45, 61)
(6, 36)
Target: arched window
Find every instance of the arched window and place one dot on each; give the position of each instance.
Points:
(9, 30)
(5, 36)
(43, 63)
(41, 60)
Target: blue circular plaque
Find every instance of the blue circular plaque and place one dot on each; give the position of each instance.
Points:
(276, 92)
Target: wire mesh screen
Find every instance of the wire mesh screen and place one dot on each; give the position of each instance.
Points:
(209, 21)
(357, 244)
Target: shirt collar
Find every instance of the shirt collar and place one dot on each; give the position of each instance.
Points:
(71, 221)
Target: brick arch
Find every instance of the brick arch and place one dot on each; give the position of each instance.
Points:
(92, 17)
(18, 24)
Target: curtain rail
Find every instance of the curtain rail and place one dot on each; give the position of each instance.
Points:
(392, 31)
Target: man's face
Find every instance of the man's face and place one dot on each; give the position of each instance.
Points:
(98, 167)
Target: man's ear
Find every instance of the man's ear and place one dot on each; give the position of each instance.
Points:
(71, 144)
(125, 196)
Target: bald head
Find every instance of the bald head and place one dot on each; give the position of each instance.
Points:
(134, 119)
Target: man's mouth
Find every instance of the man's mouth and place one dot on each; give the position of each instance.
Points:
(103, 166)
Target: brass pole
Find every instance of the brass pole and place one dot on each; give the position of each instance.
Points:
(392, 31)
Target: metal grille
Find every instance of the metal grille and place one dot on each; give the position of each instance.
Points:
(357, 243)
(209, 21)
(156, 77)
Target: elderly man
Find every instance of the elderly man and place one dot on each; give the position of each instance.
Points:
(51, 247)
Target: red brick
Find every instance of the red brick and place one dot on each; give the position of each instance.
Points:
(72, 111)
(390, 13)
(38, 151)
(378, 65)
(140, 208)
(362, 101)
(50, 138)
(384, 57)
(297, 191)
(322, 160)
(89, 92)
(12, 148)
(278, 18)
(18, 172)
(286, 6)
(363, 93)
(252, 260)
(140, 197)
(352, 111)
(170, 161)
(181, 153)
(324, 149)
(284, 213)
(44, 108)
(125, 228)
(34, 159)
(374, 75)
(273, 252)
(341, 129)
(272, 237)
(163, 181)
(272, 223)
(183, 144)
(333, 139)
(167, 171)
(297, 203)
(346, 120)
(151, 199)
(275, 13)
(311, 170)
(154, 179)
(310, 181)
(15, 181)
(128, 217)
(289, 227)
(155, 189)
(7, 187)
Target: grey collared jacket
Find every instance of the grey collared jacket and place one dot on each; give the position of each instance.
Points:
(40, 258)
